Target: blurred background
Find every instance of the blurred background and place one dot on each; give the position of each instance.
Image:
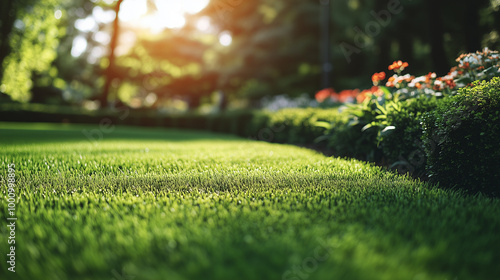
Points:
(208, 55)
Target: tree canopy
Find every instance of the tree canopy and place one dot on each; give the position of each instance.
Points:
(247, 49)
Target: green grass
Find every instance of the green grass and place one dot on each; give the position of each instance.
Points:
(165, 204)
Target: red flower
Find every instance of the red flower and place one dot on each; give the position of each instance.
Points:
(451, 84)
(465, 65)
(324, 94)
(398, 65)
(377, 77)
(347, 95)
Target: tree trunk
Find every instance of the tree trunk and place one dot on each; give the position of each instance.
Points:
(110, 72)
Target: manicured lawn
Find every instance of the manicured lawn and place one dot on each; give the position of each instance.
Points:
(165, 204)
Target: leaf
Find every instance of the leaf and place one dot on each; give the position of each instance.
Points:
(381, 108)
(391, 127)
(366, 127)
(397, 105)
(385, 90)
(323, 124)
(356, 113)
(353, 123)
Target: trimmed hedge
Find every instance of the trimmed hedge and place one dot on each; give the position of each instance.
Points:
(293, 126)
(462, 139)
(402, 147)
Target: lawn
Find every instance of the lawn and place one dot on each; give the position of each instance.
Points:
(142, 203)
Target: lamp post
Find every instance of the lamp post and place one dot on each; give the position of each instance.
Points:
(327, 66)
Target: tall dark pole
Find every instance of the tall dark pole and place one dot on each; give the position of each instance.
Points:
(436, 32)
(110, 71)
(327, 66)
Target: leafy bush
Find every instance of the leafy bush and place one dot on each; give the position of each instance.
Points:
(292, 125)
(478, 66)
(385, 124)
(402, 130)
(461, 139)
(346, 138)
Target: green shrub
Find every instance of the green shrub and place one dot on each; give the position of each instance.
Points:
(462, 137)
(298, 126)
(257, 123)
(291, 125)
(347, 136)
(400, 138)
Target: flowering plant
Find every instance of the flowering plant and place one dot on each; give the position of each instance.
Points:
(482, 65)
(386, 123)
(330, 95)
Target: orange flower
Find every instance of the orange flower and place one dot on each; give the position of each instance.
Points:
(377, 91)
(377, 77)
(368, 93)
(390, 82)
(409, 79)
(365, 94)
(347, 95)
(461, 57)
(430, 76)
(398, 65)
(324, 94)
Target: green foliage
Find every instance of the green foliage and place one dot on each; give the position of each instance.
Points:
(253, 90)
(386, 126)
(401, 132)
(355, 136)
(262, 33)
(479, 66)
(461, 139)
(34, 43)
(292, 125)
(165, 204)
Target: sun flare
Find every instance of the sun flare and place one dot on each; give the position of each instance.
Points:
(169, 13)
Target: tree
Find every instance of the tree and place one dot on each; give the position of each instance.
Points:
(30, 33)
(275, 43)
(169, 65)
(9, 12)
